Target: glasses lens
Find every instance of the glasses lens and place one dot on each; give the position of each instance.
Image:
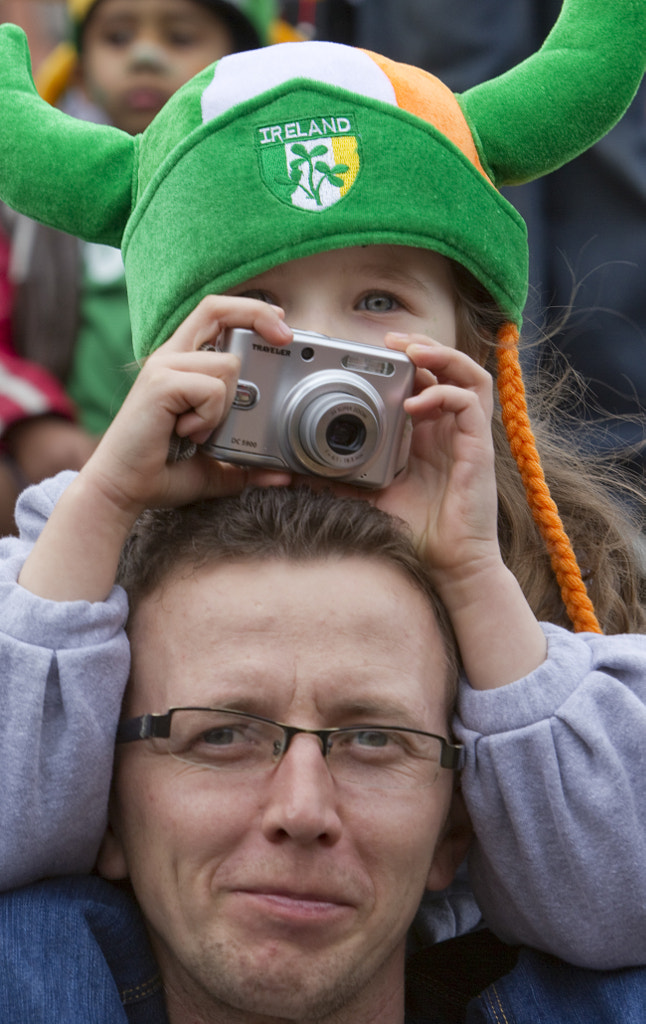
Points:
(373, 758)
(223, 740)
(384, 758)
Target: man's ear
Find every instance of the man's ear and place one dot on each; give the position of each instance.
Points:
(452, 845)
(111, 861)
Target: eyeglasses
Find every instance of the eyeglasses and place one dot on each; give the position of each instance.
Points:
(373, 756)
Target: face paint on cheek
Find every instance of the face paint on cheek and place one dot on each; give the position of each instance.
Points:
(147, 55)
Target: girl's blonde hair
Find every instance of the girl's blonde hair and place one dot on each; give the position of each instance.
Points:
(594, 497)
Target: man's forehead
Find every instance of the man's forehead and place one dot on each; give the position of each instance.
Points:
(351, 626)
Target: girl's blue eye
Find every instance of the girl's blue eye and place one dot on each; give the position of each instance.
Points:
(259, 294)
(378, 302)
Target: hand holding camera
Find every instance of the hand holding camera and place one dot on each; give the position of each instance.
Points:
(184, 388)
(448, 492)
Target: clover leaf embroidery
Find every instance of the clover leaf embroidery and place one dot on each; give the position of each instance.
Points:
(309, 174)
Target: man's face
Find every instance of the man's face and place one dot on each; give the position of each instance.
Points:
(137, 53)
(291, 895)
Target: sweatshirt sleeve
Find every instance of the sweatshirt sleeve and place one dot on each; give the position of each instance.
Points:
(555, 782)
(64, 666)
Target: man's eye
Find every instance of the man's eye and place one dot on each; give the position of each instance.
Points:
(363, 741)
(378, 302)
(372, 738)
(220, 737)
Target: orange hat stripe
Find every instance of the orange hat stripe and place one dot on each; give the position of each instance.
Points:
(424, 95)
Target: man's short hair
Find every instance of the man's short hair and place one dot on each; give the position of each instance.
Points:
(274, 523)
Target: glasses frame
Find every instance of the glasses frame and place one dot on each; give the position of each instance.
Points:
(157, 726)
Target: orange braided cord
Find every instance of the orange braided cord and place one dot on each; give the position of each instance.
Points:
(543, 508)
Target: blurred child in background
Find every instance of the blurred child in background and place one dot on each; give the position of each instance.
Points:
(68, 367)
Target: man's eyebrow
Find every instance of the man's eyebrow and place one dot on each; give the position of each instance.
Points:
(374, 710)
(351, 710)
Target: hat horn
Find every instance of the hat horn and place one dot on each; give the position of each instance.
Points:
(572, 91)
(72, 175)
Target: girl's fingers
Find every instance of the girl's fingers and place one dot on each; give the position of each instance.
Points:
(448, 365)
(449, 369)
(442, 400)
(200, 385)
(206, 322)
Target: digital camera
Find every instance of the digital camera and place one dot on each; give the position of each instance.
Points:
(320, 406)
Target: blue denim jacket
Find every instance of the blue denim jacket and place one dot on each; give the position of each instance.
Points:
(544, 990)
(75, 951)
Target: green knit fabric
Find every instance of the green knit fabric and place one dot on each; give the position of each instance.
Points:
(102, 368)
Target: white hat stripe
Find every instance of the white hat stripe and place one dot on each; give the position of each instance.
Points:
(255, 72)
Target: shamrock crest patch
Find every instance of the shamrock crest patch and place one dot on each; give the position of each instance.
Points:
(312, 163)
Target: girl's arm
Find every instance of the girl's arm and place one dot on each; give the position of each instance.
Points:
(448, 495)
(183, 389)
(64, 669)
(554, 784)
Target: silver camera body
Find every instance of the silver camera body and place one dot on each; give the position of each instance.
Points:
(319, 406)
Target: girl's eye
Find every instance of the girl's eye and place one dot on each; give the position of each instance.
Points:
(118, 37)
(259, 294)
(378, 302)
(182, 39)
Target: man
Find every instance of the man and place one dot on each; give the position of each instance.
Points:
(277, 871)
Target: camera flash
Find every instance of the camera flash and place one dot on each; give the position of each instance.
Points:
(367, 364)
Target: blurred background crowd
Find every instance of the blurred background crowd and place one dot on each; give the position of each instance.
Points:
(64, 337)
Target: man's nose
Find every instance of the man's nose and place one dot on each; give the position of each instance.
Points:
(302, 800)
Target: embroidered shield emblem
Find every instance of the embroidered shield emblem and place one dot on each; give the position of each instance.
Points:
(311, 163)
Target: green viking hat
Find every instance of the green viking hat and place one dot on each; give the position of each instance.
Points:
(279, 153)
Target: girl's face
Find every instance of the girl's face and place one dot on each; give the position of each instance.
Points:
(137, 53)
(362, 293)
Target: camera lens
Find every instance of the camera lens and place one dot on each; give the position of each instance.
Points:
(345, 434)
(334, 432)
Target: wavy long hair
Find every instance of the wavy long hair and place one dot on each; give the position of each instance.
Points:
(601, 508)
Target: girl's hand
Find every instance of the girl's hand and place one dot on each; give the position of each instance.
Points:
(447, 493)
(182, 388)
